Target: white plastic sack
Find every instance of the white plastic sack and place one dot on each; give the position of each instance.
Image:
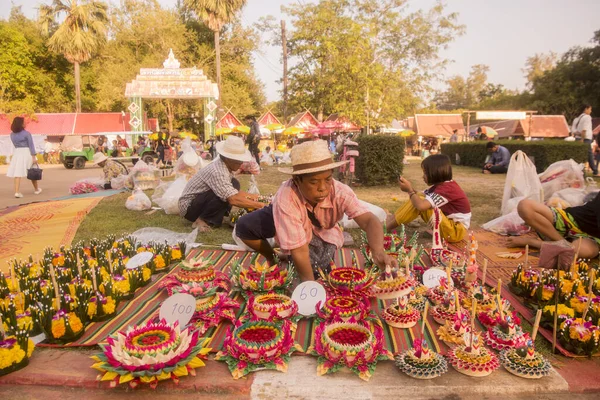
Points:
(169, 201)
(253, 189)
(122, 181)
(511, 205)
(147, 235)
(243, 245)
(138, 201)
(183, 169)
(569, 197)
(509, 225)
(521, 181)
(378, 211)
(561, 175)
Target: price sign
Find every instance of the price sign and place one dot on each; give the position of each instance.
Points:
(139, 259)
(431, 277)
(178, 308)
(307, 295)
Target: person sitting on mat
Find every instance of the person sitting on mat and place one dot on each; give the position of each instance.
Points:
(304, 215)
(211, 193)
(555, 224)
(499, 161)
(444, 193)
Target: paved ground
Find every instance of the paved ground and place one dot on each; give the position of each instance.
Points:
(55, 183)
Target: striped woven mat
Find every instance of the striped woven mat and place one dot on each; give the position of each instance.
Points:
(147, 301)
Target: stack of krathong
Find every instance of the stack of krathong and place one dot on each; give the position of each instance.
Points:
(150, 354)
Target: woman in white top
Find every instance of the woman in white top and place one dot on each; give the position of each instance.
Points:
(582, 127)
(23, 156)
(267, 156)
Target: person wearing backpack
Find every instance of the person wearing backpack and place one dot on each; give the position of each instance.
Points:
(582, 128)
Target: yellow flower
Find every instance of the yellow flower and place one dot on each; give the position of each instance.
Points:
(146, 274)
(159, 261)
(176, 254)
(75, 323)
(58, 261)
(567, 287)
(30, 347)
(91, 309)
(581, 291)
(58, 328)
(562, 310)
(122, 286)
(127, 244)
(141, 249)
(110, 306)
(578, 305)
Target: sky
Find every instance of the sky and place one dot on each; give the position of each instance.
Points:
(500, 34)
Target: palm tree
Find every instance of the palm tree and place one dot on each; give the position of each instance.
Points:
(215, 14)
(79, 36)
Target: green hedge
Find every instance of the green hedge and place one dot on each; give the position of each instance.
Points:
(381, 159)
(543, 152)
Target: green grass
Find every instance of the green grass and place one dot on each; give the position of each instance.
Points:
(111, 217)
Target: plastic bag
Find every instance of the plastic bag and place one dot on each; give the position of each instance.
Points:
(521, 181)
(138, 201)
(169, 200)
(569, 197)
(243, 246)
(188, 154)
(147, 235)
(561, 175)
(378, 211)
(253, 189)
(509, 225)
(121, 182)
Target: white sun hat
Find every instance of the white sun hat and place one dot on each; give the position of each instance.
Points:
(233, 148)
(310, 157)
(99, 157)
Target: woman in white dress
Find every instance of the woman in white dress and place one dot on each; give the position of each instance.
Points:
(23, 156)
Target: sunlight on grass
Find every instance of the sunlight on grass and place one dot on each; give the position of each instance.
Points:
(111, 217)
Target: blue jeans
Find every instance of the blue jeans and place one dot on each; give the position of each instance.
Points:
(591, 160)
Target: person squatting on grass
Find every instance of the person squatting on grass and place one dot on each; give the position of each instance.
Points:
(211, 193)
(444, 193)
(305, 212)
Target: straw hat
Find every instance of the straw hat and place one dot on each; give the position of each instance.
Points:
(233, 148)
(310, 157)
(99, 157)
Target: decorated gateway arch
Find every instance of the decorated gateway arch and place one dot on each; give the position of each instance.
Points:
(172, 82)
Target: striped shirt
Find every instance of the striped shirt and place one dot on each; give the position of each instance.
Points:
(216, 177)
(292, 224)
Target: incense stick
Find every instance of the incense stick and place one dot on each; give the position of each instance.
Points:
(536, 325)
(484, 273)
(425, 311)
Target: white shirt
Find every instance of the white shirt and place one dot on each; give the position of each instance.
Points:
(583, 123)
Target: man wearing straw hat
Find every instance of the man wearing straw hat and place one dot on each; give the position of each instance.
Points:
(209, 195)
(305, 213)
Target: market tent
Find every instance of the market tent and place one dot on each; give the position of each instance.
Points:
(341, 123)
(505, 128)
(544, 126)
(268, 118)
(304, 120)
(436, 125)
(62, 124)
(227, 120)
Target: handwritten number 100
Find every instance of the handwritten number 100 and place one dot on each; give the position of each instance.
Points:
(182, 309)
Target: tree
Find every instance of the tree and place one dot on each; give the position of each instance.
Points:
(537, 65)
(369, 60)
(466, 93)
(79, 36)
(215, 14)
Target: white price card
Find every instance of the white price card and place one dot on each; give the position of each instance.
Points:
(139, 259)
(178, 308)
(431, 277)
(307, 295)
